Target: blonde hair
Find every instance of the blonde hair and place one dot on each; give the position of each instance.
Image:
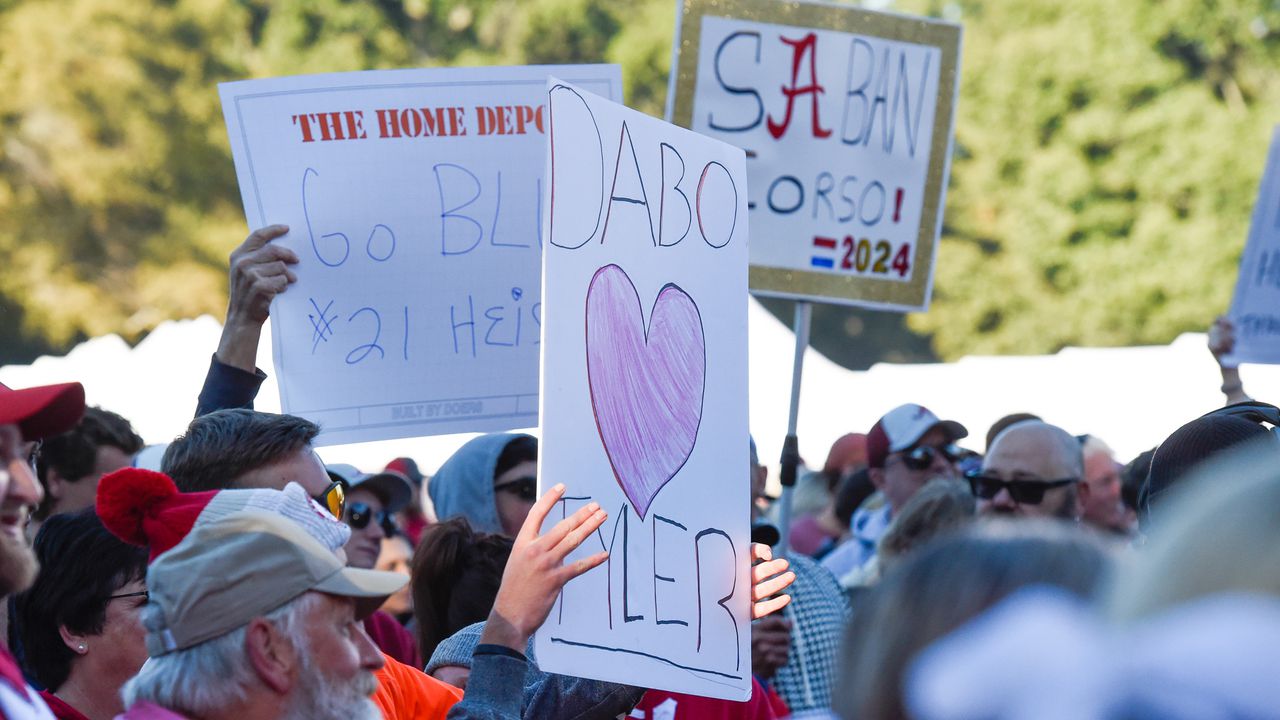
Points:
(940, 507)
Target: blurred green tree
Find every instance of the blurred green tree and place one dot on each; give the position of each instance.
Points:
(1107, 160)
(1107, 154)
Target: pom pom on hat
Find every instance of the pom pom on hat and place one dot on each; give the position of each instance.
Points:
(126, 496)
(143, 507)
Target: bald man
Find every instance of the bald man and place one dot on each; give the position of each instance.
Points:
(1031, 470)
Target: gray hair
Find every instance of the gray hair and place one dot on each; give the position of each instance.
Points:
(1094, 445)
(201, 679)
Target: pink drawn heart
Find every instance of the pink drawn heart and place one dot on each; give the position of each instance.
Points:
(646, 386)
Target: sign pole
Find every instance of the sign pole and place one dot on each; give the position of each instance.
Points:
(791, 446)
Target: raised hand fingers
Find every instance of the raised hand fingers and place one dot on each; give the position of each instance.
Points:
(569, 533)
(761, 552)
(765, 585)
(765, 570)
(767, 579)
(263, 256)
(262, 236)
(273, 269)
(582, 566)
(538, 514)
(768, 607)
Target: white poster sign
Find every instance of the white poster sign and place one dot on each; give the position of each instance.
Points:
(644, 367)
(846, 116)
(1255, 309)
(414, 202)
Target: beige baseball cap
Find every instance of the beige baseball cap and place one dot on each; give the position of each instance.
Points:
(234, 568)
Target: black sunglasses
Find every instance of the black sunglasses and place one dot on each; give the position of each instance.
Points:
(359, 514)
(1023, 492)
(922, 457)
(525, 488)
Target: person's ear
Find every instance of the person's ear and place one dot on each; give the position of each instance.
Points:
(76, 642)
(272, 655)
(1082, 493)
(54, 485)
(876, 476)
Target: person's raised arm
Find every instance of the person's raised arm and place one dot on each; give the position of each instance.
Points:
(534, 575)
(259, 270)
(1222, 340)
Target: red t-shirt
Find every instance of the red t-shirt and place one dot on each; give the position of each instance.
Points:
(60, 709)
(392, 639)
(662, 705)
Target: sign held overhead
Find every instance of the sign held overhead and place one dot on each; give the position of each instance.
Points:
(644, 367)
(414, 201)
(847, 118)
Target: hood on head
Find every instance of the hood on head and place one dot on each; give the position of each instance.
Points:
(464, 484)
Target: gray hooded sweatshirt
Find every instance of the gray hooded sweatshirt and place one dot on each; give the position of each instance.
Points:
(464, 484)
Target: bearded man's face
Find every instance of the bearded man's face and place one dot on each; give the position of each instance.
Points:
(19, 493)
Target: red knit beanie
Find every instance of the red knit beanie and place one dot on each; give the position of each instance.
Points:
(142, 507)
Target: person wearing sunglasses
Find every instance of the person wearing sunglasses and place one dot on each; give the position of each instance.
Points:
(906, 448)
(492, 481)
(1031, 470)
(371, 502)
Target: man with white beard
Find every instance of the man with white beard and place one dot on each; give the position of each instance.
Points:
(253, 613)
(27, 416)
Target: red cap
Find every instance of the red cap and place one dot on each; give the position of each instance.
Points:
(849, 452)
(43, 411)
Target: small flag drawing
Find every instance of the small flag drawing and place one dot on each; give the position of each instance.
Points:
(828, 244)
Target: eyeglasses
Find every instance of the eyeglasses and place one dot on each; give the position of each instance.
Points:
(359, 514)
(1023, 492)
(525, 488)
(922, 457)
(334, 498)
(144, 594)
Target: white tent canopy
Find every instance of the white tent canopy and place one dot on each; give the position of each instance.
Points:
(1131, 397)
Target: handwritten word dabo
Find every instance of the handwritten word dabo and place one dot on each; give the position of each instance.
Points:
(716, 225)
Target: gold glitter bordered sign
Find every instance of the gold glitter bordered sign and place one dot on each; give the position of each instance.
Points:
(847, 117)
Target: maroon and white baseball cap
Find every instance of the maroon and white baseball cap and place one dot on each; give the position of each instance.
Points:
(902, 427)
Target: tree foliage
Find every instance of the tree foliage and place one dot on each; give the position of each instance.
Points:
(1106, 161)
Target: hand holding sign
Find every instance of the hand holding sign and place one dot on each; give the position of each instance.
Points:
(414, 199)
(768, 578)
(260, 270)
(536, 571)
(1255, 309)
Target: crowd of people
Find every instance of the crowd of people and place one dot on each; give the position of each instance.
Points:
(242, 577)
